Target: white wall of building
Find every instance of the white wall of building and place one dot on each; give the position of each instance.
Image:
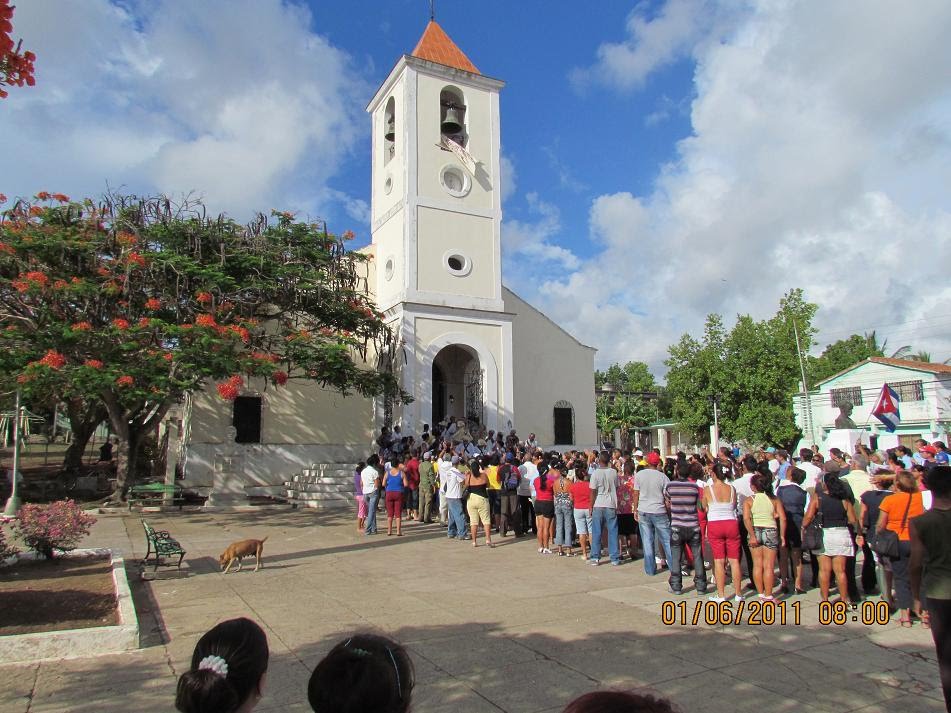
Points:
(550, 366)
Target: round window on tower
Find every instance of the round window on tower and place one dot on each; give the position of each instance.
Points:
(456, 181)
(457, 264)
(388, 185)
(388, 269)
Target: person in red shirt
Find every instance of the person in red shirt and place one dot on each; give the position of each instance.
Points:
(411, 492)
(581, 496)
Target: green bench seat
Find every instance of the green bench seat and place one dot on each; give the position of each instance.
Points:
(160, 544)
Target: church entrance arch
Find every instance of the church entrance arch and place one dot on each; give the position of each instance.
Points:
(458, 385)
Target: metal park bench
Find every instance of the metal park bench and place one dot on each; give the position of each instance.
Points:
(160, 545)
(155, 494)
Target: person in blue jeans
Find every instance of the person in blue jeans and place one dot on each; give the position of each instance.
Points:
(369, 477)
(603, 485)
(453, 480)
(653, 521)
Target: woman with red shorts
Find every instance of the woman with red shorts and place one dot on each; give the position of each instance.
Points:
(723, 530)
(395, 482)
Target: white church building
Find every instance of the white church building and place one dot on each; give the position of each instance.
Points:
(470, 347)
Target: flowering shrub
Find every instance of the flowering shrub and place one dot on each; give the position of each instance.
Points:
(5, 549)
(57, 526)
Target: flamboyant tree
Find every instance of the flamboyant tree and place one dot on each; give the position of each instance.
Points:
(134, 302)
(16, 64)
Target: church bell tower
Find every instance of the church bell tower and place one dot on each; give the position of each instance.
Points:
(436, 219)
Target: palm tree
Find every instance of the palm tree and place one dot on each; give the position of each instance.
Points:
(872, 340)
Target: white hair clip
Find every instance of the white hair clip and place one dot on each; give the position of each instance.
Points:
(215, 664)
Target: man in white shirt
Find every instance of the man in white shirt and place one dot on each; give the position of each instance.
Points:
(453, 486)
(811, 470)
(371, 494)
(526, 491)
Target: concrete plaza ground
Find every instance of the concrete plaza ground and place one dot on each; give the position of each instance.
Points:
(489, 630)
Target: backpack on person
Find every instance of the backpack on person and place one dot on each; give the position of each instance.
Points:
(508, 475)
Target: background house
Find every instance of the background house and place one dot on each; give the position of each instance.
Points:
(924, 390)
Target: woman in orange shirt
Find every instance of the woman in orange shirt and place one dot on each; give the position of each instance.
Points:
(894, 513)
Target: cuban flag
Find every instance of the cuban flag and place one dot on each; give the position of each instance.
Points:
(886, 408)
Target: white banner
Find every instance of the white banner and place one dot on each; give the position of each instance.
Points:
(464, 156)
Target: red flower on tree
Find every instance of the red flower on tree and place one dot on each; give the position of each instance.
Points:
(280, 378)
(203, 297)
(230, 389)
(206, 320)
(81, 327)
(53, 359)
(120, 323)
(125, 380)
(153, 303)
(93, 363)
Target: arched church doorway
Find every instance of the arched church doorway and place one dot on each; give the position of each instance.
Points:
(458, 390)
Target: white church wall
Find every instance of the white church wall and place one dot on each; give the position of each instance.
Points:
(550, 366)
(485, 340)
(480, 127)
(389, 172)
(388, 250)
(441, 233)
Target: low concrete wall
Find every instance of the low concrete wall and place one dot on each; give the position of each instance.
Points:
(80, 643)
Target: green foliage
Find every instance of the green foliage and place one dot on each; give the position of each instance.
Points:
(6, 550)
(628, 407)
(633, 376)
(752, 371)
(841, 355)
(136, 302)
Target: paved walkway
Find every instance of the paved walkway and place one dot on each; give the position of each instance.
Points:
(490, 630)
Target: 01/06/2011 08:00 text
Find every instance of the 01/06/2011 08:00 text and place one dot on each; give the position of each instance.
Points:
(767, 613)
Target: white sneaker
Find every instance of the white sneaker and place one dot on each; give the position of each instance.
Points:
(717, 598)
(738, 598)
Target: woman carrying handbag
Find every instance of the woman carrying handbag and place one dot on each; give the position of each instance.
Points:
(893, 540)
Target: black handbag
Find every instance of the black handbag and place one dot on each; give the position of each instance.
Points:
(812, 533)
(885, 543)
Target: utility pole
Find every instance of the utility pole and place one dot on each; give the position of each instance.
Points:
(715, 436)
(13, 502)
(807, 404)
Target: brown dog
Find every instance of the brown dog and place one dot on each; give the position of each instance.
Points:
(237, 550)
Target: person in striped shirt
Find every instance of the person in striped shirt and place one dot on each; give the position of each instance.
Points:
(683, 500)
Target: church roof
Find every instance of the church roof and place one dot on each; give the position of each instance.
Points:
(435, 46)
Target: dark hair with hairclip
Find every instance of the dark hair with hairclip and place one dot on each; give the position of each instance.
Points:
(365, 672)
(227, 666)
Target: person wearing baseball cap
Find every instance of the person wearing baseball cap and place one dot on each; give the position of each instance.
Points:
(653, 459)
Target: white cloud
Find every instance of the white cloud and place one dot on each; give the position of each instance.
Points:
(238, 101)
(508, 179)
(527, 239)
(651, 43)
(819, 158)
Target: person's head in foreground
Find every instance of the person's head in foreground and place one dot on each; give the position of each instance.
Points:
(228, 670)
(363, 673)
(619, 702)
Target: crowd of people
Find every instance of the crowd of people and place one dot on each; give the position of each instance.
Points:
(362, 673)
(777, 523)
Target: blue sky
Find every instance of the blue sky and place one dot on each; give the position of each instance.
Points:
(666, 158)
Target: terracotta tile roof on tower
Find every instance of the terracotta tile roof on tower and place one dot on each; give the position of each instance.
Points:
(436, 46)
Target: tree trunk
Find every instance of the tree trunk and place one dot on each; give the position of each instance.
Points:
(83, 421)
(130, 434)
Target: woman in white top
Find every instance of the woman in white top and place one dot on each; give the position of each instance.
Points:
(723, 530)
